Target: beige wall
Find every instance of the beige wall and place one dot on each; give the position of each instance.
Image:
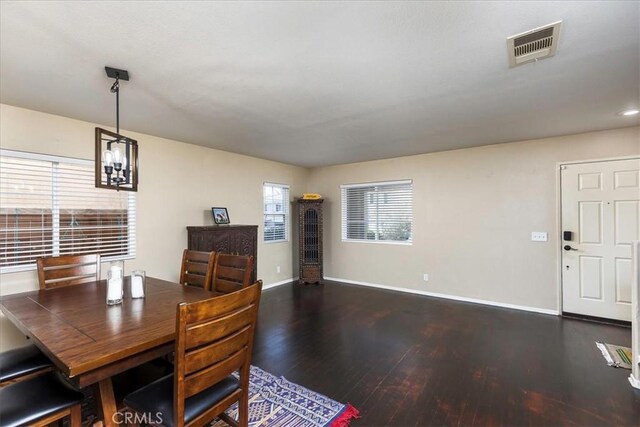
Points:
(474, 211)
(178, 185)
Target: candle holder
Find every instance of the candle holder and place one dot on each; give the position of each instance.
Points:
(115, 289)
(138, 283)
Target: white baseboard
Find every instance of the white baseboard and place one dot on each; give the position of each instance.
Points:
(447, 296)
(634, 381)
(282, 282)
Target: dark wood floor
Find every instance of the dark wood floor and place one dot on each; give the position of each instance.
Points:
(408, 360)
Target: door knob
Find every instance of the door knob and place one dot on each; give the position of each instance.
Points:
(569, 248)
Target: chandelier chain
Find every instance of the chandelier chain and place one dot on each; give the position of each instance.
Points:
(115, 88)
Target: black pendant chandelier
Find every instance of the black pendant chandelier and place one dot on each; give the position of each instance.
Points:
(116, 155)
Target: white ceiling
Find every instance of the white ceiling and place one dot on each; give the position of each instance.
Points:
(319, 83)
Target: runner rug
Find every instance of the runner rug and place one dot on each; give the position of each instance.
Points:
(616, 356)
(274, 401)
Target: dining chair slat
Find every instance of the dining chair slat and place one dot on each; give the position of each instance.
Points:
(225, 305)
(69, 259)
(219, 328)
(198, 256)
(198, 381)
(191, 279)
(199, 268)
(231, 273)
(79, 272)
(212, 353)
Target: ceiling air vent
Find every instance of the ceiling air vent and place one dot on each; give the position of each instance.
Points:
(534, 44)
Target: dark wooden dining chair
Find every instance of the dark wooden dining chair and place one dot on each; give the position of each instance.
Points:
(197, 268)
(22, 363)
(68, 270)
(40, 401)
(214, 338)
(231, 272)
(53, 272)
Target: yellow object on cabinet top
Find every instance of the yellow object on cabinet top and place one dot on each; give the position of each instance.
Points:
(311, 196)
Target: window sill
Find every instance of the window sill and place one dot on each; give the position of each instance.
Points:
(381, 242)
(269, 242)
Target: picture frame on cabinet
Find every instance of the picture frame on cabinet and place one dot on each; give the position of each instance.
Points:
(220, 215)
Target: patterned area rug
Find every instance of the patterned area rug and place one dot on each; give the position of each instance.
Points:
(276, 402)
(616, 355)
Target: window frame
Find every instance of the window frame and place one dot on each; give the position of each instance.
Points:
(55, 208)
(369, 200)
(286, 212)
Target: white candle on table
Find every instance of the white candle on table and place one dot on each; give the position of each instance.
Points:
(137, 291)
(114, 289)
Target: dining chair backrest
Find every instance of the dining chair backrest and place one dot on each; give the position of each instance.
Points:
(197, 268)
(231, 273)
(215, 339)
(68, 270)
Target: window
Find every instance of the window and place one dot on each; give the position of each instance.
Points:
(276, 212)
(380, 211)
(49, 206)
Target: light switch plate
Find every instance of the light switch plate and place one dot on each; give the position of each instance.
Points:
(539, 236)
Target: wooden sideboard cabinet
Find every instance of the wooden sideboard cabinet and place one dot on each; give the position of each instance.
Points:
(228, 239)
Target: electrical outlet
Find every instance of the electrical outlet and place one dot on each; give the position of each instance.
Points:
(425, 277)
(278, 269)
(539, 236)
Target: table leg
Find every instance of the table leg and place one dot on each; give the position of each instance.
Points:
(107, 402)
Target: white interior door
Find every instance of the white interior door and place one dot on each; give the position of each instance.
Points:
(601, 208)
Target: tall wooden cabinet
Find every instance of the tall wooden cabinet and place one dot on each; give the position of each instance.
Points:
(310, 243)
(228, 239)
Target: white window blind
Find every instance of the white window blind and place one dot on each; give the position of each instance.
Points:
(276, 212)
(49, 206)
(381, 211)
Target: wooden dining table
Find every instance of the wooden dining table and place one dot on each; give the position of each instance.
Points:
(90, 341)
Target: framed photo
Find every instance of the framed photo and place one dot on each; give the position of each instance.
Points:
(220, 215)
